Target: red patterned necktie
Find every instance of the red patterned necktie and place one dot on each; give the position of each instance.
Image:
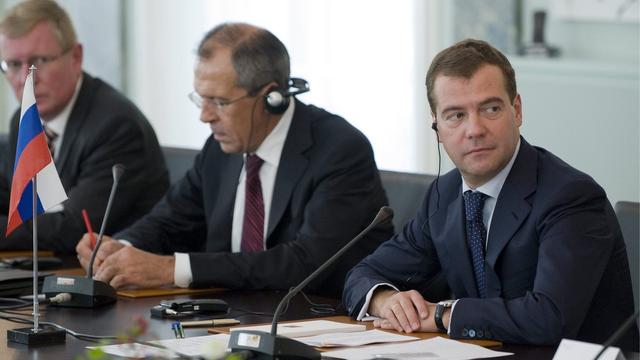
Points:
(51, 136)
(253, 222)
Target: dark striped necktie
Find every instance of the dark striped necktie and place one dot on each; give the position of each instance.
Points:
(253, 222)
(51, 136)
(476, 236)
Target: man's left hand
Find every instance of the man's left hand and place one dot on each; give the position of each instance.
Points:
(136, 268)
(426, 325)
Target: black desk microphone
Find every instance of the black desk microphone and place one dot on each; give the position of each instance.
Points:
(85, 291)
(270, 345)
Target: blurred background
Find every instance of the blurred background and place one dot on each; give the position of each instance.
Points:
(577, 65)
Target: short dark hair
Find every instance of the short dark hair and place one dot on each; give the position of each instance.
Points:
(463, 60)
(258, 56)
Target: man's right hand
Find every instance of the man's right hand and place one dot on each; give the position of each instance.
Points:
(404, 310)
(85, 248)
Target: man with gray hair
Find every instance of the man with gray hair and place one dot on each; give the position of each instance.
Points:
(89, 127)
(278, 188)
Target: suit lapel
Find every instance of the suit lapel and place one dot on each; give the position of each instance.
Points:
(456, 243)
(512, 207)
(222, 214)
(76, 120)
(292, 166)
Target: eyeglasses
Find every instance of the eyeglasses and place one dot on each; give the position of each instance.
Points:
(217, 103)
(12, 67)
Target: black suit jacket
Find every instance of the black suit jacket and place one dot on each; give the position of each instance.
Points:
(104, 128)
(327, 189)
(556, 265)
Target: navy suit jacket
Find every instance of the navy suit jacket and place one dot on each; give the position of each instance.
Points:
(327, 189)
(103, 129)
(556, 264)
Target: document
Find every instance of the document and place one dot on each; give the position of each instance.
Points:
(306, 328)
(209, 346)
(432, 349)
(354, 338)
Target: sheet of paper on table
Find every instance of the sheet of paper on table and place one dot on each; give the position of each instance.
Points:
(191, 346)
(432, 349)
(354, 338)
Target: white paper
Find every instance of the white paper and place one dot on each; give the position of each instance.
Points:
(354, 338)
(191, 346)
(306, 328)
(572, 349)
(432, 349)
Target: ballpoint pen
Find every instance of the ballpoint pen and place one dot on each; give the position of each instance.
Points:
(212, 322)
(87, 223)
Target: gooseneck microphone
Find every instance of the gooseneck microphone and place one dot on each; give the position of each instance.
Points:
(631, 320)
(270, 345)
(117, 170)
(85, 291)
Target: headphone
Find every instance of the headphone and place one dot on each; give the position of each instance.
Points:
(434, 126)
(277, 100)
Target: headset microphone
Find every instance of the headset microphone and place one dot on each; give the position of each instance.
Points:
(277, 100)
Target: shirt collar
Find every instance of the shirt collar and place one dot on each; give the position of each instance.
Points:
(492, 187)
(272, 145)
(58, 123)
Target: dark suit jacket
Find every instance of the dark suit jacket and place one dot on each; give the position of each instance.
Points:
(104, 128)
(556, 264)
(327, 189)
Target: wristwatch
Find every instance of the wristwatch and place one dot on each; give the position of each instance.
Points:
(439, 311)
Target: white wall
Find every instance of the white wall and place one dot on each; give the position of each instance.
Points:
(365, 61)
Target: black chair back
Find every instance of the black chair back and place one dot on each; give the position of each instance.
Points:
(405, 192)
(179, 161)
(628, 214)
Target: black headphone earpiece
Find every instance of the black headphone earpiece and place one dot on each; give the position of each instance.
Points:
(434, 126)
(277, 99)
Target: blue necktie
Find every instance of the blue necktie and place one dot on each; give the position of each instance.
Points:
(476, 235)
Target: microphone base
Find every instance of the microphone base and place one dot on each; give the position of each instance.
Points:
(85, 292)
(47, 335)
(263, 345)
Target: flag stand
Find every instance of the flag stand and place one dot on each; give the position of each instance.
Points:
(37, 335)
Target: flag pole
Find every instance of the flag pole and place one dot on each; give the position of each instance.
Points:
(34, 207)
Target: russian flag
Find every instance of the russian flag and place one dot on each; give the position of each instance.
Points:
(32, 158)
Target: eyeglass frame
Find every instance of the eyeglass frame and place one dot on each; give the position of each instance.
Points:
(40, 60)
(218, 103)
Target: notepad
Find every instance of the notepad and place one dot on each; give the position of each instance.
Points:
(306, 328)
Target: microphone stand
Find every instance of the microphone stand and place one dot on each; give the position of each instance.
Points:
(85, 292)
(270, 345)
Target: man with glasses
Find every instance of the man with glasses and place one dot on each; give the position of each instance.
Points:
(278, 188)
(89, 127)
(529, 246)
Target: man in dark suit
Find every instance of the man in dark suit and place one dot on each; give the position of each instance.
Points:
(278, 188)
(90, 127)
(529, 246)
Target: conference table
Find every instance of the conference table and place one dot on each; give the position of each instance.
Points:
(249, 307)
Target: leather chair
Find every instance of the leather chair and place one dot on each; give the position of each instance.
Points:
(628, 214)
(405, 192)
(178, 160)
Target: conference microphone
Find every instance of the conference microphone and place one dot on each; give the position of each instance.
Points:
(85, 291)
(263, 345)
(631, 320)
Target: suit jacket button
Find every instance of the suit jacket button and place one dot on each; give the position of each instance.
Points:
(465, 332)
(487, 333)
(479, 333)
(472, 333)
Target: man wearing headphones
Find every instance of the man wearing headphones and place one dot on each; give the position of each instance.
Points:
(278, 188)
(529, 246)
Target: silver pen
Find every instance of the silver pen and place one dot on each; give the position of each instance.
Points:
(214, 322)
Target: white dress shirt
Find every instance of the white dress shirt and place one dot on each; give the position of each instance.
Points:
(58, 123)
(269, 151)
